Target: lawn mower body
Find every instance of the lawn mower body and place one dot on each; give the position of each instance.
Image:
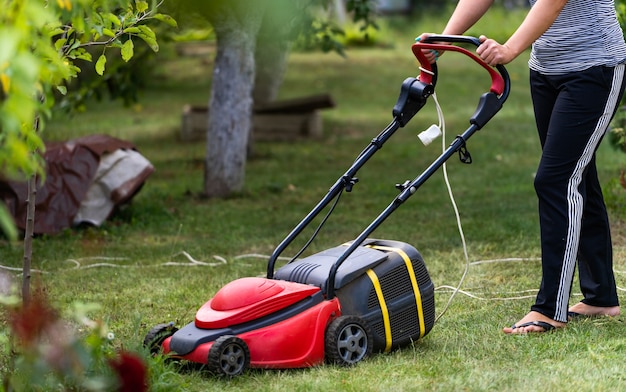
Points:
(272, 320)
(283, 321)
(341, 304)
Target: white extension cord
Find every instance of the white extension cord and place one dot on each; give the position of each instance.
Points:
(427, 137)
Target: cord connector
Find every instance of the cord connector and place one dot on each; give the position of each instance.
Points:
(432, 133)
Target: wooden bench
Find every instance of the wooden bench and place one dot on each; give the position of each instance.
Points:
(284, 120)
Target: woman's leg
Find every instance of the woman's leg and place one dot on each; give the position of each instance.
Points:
(595, 257)
(572, 113)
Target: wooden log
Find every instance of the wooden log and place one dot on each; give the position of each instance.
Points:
(287, 126)
(285, 120)
(297, 105)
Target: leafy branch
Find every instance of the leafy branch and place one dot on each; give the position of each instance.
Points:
(108, 29)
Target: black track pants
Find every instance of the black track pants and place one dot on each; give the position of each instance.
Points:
(573, 112)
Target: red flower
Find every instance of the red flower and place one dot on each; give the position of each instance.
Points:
(131, 373)
(30, 321)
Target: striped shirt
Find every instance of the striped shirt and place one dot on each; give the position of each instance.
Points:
(585, 34)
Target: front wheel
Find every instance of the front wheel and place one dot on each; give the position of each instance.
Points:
(229, 356)
(157, 335)
(348, 340)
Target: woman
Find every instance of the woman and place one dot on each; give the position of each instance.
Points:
(577, 81)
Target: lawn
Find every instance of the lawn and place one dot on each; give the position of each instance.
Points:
(136, 266)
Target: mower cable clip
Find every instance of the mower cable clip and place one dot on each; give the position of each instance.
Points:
(349, 182)
(404, 185)
(376, 142)
(464, 154)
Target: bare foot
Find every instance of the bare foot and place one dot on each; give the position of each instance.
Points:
(583, 309)
(533, 322)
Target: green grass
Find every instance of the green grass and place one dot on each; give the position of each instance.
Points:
(465, 350)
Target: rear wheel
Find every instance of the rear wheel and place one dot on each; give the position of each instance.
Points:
(348, 340)
(157, 335)
(229, 356)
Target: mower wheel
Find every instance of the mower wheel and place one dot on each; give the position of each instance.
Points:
(229, 356)
(348, 340)
(157, 335)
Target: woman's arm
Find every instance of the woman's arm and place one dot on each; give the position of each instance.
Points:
(465, 15)
(537, 21)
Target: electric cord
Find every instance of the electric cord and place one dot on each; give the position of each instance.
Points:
(85, 263)
(457, 289)
(318, 228)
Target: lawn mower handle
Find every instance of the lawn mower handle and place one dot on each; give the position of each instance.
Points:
(500, 83)
(413, 96)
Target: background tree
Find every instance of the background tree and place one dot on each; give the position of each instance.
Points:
(316, 23)
(253, 41)
(236, 24)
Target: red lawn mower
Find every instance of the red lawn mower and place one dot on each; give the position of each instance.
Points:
(341, 304)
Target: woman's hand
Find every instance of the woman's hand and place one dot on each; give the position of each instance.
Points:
(493, 53)
(430, 54)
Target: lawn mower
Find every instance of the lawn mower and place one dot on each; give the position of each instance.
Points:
(344, 303)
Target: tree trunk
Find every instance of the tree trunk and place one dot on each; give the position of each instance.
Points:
(230, 104)
(280, 26)
(28, 238)
(272, 51)
(29, 229)
(340, 11)
(271, 55)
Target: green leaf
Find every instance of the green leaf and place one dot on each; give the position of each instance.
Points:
(97, 30)
(56, 31)
(8, 228)
(79, 53)
(147, 31)
(58, 44)
(151, 42)
(149, 37)
(166, 19)
(108, 32)
(132, 30)
(62, 89)
(78, 23)
(141, 5)
(74, 45)
(83, 55)
(102, 60)
(97, 18)
(127, 50)
(114, 19)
